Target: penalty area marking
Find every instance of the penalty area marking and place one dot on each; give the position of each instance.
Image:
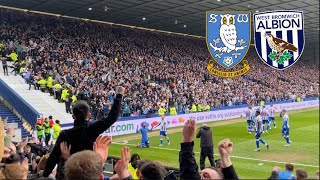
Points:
(237, 157)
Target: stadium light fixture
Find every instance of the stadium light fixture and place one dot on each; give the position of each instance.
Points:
(218, 0)
(184, 26)
(257, 10)
(144, 18)
(89, 9)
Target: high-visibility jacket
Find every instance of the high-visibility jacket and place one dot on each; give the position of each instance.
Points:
(298, 99)
(13, 56)
(133, 171)
(22, 69)
(46, 127)
(199, 108)
(173, 111)
(57, 86)
(49, 82)
(42, 83)
(64, 94)
(261, 103)
(74, 98)
(207, 108)
(161, 111)
(194, 108)
(39, 129)
(56, 130)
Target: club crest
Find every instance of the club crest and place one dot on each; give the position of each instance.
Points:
(228, 40)
(279, 37)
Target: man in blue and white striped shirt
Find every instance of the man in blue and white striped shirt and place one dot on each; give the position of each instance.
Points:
(250, 115)
(271, 111)
(285, 126)
(163, 130)
(258, 131)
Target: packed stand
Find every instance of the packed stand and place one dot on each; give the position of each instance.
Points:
(74, 59)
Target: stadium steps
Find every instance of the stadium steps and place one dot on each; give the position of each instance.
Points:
(41, 102)
(6, 113)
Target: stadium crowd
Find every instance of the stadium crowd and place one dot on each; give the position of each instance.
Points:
(74, 60)
(81, 153)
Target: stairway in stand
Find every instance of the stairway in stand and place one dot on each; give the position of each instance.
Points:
(41, 102)
(5, 112)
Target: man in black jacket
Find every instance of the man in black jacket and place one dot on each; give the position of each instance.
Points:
(188, 165)
(82, 135)
(206, 145)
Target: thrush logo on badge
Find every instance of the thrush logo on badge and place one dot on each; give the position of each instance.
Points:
(228, 40)
(279, 37)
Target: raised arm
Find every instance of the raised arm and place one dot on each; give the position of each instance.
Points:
(225, 150)
(199, 133)
(94, 130)
(188, 165)
(54, 156)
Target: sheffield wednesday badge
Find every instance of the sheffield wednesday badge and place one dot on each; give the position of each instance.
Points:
(228, 41)
(279, 37)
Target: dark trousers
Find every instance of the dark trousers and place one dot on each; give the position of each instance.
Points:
(47, 136)
(5, 69)
(206, 152)
(32, 83)
(68, 107)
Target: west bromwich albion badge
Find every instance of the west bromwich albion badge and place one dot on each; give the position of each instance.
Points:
(279, 37)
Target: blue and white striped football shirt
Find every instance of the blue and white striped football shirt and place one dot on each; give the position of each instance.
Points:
(271, 111)
(285, 118)
(264, 114)
(163, 125)
(249, 114)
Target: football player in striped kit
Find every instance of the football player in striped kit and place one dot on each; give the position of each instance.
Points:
(163, 130)
(258, 128)
(265, 119)
(285, 127)
(271, 112)
(250, 116)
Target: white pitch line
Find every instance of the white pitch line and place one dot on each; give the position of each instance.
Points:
(237, 157)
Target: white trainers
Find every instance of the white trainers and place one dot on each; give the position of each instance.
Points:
(257, 149)
(168, 143)
(286, 145)
(160, 144)
(250, 132)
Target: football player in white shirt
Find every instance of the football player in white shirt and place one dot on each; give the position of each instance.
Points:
(265, 119)
(258, 128)
(250, 116)
(271, 111)
(285, 127)
(163, 130)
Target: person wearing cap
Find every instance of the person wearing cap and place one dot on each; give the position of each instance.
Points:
(206, 145)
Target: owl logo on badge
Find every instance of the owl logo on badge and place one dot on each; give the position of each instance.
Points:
(228, 39)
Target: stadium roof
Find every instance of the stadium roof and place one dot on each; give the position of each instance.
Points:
(182, 16)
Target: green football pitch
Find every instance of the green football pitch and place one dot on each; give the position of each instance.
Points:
(303, 152)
